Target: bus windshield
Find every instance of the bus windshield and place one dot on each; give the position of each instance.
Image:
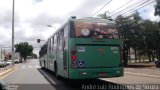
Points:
(90, 29)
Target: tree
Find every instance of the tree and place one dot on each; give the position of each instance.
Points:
(156, 39)
(149, 29)
(104, 15)
(33, 55)
(125, 26)
(24, 49)
(141, 35)
(135, 32)
(157, 8)
(127, 29)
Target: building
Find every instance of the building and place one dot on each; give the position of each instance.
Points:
(4, 55)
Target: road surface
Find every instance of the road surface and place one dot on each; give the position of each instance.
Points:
(30, 76)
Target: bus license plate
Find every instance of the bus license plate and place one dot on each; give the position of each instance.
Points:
(102, 74)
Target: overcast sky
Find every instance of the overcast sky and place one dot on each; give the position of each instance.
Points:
(33, 16)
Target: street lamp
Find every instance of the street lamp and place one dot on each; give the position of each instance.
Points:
(51, 26)
(13, 33)
(39, 40)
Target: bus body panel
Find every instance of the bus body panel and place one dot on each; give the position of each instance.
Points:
(51, 59)
(65, 63)
(98, 56)
(43, 61)
(93, 59)
(59, 61)
(96, 73)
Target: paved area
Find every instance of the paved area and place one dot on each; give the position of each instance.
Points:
(4, 69)
(147, 71)
(29, 76)
(138, 76)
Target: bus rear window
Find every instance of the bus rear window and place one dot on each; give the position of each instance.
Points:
(95, 30)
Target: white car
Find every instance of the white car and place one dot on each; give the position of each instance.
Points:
(9, 62)
(16, 61)
(2, 63)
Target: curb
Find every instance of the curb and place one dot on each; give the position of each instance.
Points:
(6, 71)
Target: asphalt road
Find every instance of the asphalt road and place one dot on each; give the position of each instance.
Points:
(29, 76)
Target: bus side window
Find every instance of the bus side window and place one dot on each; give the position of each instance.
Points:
(66, 34)
(55, 42)
(60, 40)
(66, 31)
(51, 45)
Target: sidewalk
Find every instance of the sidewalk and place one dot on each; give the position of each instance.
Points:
(144, 71)
(142, 65)
(6, 70)
(3, 69)
(148, 68)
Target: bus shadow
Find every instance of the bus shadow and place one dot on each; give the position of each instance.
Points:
(87, 84)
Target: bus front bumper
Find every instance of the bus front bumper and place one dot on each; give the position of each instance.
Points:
(96, 73)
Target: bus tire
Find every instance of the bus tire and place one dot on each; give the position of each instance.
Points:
(56, 71)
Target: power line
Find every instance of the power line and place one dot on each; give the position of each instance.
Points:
(130, 6)
(138, 8)
(6, 47)
(102, 8)
(122, 5)
(20, 38)
(139, 4)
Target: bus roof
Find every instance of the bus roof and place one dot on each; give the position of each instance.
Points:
(94, 20)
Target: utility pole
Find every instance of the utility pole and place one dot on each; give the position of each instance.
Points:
(13, 33)
(1, 53)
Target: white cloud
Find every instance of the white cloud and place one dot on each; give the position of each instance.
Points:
(152, 17)
(4, 33)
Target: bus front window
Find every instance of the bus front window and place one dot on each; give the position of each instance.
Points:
(95, 30)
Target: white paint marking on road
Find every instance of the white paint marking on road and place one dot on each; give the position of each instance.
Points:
(48, 77)
(8, 73)
(105, 79)
(23, 66)
(140, 74)
(37, 66)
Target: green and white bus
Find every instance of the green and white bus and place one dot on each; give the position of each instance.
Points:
(84, 48)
